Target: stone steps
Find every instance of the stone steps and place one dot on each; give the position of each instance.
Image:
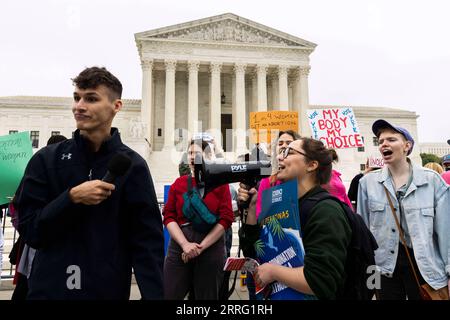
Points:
(10, 235)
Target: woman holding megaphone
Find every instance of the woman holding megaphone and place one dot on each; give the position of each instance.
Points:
(196, 252)
(244, 194)
(326, 234)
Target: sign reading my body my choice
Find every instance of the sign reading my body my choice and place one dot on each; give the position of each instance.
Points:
(15, 152)
(336, 128)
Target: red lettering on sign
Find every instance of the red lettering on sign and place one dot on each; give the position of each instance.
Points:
(331, 133)
(327, 113)
(344, 120)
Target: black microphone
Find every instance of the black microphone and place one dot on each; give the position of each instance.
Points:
(117, 166)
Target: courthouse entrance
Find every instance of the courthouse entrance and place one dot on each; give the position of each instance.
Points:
(226, 123)
(183, 77)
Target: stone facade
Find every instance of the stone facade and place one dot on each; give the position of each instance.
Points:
(47, 114)
(205, 75)
(439, 149)
(195, 72)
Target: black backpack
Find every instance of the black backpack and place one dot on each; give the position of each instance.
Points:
(360, 252)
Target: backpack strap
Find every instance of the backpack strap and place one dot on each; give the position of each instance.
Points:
(189, 184)
(308, 204)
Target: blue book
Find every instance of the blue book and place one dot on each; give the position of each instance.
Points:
(280, 241)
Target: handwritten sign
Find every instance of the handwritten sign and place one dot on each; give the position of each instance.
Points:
(336, 128)
(263, 123)
(15, 152)
(376, 161)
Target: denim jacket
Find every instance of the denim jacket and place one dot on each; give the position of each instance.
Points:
(427, 210)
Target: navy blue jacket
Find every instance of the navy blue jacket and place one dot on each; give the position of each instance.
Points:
(104, 241)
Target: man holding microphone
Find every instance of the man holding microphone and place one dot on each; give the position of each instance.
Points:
(89, 233)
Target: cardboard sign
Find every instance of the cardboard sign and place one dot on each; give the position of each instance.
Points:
(15, 152)
(336, 128)
(376, 161)
(263, 123)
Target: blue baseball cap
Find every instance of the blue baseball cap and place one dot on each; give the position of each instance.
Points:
(446, 158)
(382, 124)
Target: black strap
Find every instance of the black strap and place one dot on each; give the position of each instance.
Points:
(308, 204)
(201, 191)
(189, 184)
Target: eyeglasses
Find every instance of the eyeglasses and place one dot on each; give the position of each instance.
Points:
(285, 152)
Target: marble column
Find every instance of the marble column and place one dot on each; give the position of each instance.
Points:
(261, 71)
(301, 100)
(283, 94)
(147, 98)
(239, 113)
(193, 67)
(169, 115)
(215, 112)
(275, 93)
(254, 93)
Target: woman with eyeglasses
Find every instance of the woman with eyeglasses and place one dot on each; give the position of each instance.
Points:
(326, 234)
(284, 139)
(195, 259)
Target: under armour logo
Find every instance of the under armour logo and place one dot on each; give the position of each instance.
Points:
(67, 156)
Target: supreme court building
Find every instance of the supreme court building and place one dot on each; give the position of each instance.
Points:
(206, 75)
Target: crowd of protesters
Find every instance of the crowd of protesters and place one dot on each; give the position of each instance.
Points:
(82, 235)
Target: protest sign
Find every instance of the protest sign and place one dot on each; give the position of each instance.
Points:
(376, 161)
(280, 241)
(336, 128)
(262, 123)
(240, 264)
(246, 265)
(15, 152)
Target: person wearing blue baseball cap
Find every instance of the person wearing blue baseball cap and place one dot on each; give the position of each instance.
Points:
(446, 165)
(407, 209)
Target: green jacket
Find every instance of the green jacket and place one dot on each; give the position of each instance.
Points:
(326, 237)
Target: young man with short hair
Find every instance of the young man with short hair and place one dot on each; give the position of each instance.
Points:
(421, 202)
(88, 233)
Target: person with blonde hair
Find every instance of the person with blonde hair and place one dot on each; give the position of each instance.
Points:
(434, 166)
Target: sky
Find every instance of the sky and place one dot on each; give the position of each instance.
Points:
(393, 53)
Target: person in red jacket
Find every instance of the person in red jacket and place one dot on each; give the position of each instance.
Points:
(194, 259)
